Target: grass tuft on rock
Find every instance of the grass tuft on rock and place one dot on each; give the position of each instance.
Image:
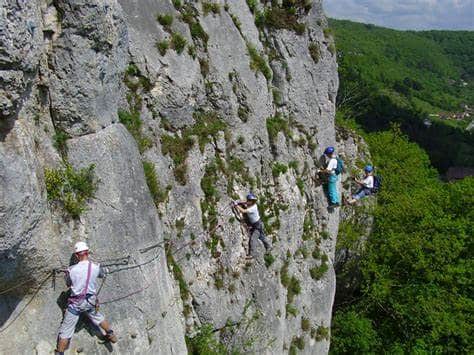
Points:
(71, 188)
(258, 62)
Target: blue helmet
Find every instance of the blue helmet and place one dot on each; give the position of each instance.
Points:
(329, 150)
(251, 197)
(369, 168)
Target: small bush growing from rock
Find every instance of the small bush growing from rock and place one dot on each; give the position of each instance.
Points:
(252, 4)
(258, 62)
(294, 288)
(197, 32)
(204, 342)
(71, 188)
(162, 46)
(300, 184)
(291, 310)
(305, 324)
(165, 20)
(314, 51)
(321, 333)
(279, 169)
(60, 142)
(158, 194)
(277, 124)
(269, 259)
(178, 42)
(177, 4)
(133, 123)
(318, 272)
(213, 7)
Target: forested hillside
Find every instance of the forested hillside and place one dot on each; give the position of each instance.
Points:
(423, 80)
(413, 285)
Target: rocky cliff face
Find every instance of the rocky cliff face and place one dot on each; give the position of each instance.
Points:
(181, 106)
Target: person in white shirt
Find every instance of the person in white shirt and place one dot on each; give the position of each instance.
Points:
(366, 185)
(82, 280)
(249, 208)
(330, 170)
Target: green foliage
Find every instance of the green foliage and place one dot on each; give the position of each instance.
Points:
(305, 324)
(178, 273)
(283, 17)
(177, 4)
(321, 333)
(275, 125)
(291, 310)
(197, 32)
(165, 20)
(158, 194)
(252, 4)
(258, 62)
(71, 188)
(213, 7)
(415, 295)
(178, 42)
(294, 289)
(278, 169)
(407, 77)
(300, 184)
(60, 142)
(314, 51)
(207, 126)
(133, 123)
(277, 97)
(317, 272)
(296, 343)
(284, 276)
(192, 51)
(204, 342)
(352, 333)
(162, 46)
(269, 259)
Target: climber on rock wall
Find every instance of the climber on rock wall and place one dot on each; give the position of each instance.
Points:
(82, 281)
(366, 185)
(333, 170)
(249, 209)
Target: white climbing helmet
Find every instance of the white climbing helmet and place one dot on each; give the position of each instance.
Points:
(80, 246)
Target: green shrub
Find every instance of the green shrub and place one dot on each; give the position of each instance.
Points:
(197, 32)
(177, 4)
(327, 33)
(352, 333)
(60, 142)
(294, 289)
(192, 51)
(293, 165)
(277, 97)
(325, 234)
(275, 125)
(332, 48)
(165, 20)
(284, 276)
(158, 194)
(178, 42)
(162, 46)
(269, 259)
(133, 123)
(258, 62)
(243, 113)
(318, 272)
(280, 17)
(291, 310)
(204, 342)
(298, 342)
(300, 184)
(305, 324)
(177, 273)
(252, 4)
(279, 169)
(321, 333)
(204, 65)
(240, 140)
(71, 188)
(314, 51)
(213, 7)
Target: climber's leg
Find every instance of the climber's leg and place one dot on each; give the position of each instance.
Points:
(332, 190)
(66, 329)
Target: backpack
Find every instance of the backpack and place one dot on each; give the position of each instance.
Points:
(377, 184)
(340, 166)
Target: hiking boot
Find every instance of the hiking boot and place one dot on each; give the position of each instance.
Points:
(111, 337)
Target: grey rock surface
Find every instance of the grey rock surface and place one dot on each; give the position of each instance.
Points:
(213, 126)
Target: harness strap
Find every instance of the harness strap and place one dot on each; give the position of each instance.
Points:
(83, 294)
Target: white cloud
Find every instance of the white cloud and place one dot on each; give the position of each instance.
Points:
(406, 14)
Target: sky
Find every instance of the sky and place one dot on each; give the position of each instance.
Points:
(406, 14)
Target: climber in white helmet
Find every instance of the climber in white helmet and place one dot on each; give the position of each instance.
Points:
(82, 280)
